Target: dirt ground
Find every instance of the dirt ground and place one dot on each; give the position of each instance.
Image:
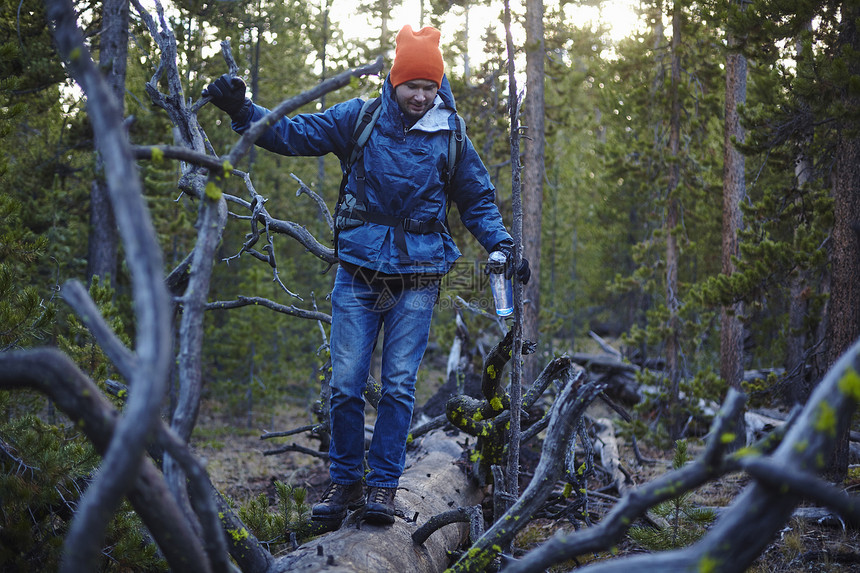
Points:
(236, 460)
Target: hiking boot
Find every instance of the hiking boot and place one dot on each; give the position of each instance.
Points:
(380, 505)
(335, 501)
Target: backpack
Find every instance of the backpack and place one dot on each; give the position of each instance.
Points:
(350, 209)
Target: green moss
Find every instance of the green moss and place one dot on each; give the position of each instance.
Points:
(745, 451)
(491, 371)
(157, 155)
(825, 420)
(668, 490)
(850, 384)
(728, 438)
(496, 404)
(213, 192)
(707, 564)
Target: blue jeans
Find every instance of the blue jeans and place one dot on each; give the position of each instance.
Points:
(359, 311)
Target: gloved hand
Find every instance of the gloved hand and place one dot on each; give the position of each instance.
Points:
(227, 93)
(524, 273)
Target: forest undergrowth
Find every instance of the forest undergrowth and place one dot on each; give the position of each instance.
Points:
(235, 458)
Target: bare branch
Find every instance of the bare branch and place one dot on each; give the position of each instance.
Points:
(293, 432)
(633, 505)
(158, 152)
(471, 515)
(297, 448)
(54, 374)
(323, 208)
(76, 295)
(241, 147)
(804, 485)
(568, 409)
(124, 456)
(258, 301)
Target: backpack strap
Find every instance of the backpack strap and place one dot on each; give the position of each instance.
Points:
(367, 117)
(456, 145)
(350, 211)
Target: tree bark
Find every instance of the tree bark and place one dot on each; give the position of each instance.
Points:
(844, 325)
(533, 176)
(113, 57)
(801, 375)
(432, 483)
(673, 366)
(731, 328)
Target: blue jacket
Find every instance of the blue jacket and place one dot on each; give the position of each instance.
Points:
(404, 168)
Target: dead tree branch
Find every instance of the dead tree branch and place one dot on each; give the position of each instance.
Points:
(52, 373)
(241, 147)
(747, 526)
(264, 302)
(634, 504)
(568, 409)
(124, 456)
(471, 515)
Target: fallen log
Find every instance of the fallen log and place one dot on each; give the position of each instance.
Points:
(432, 483)
(606, 445)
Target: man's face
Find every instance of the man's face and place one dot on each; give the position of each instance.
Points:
(415, 97)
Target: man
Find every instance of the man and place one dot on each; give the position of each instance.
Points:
(393, 246)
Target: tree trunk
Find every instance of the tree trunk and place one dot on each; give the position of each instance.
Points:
(673, 367)
(801, 375)
(432, 484)
(844, 325)
(533, 176)
(113, 51)
(731, 331)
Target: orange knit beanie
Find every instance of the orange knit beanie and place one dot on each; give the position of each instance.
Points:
(417, 56)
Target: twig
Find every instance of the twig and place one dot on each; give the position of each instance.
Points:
(321, 205)
(264, 302)
(293, 432)
(297, 448)
(472, 515)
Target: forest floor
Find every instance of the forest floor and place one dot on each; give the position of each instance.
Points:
(238, 467)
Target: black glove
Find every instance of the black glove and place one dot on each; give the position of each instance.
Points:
(227, 93)
(524, 273)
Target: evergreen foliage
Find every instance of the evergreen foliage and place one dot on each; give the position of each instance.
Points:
(78, 342)
(44, 469)
(687, 523)
(288, 521)
(24, 316)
